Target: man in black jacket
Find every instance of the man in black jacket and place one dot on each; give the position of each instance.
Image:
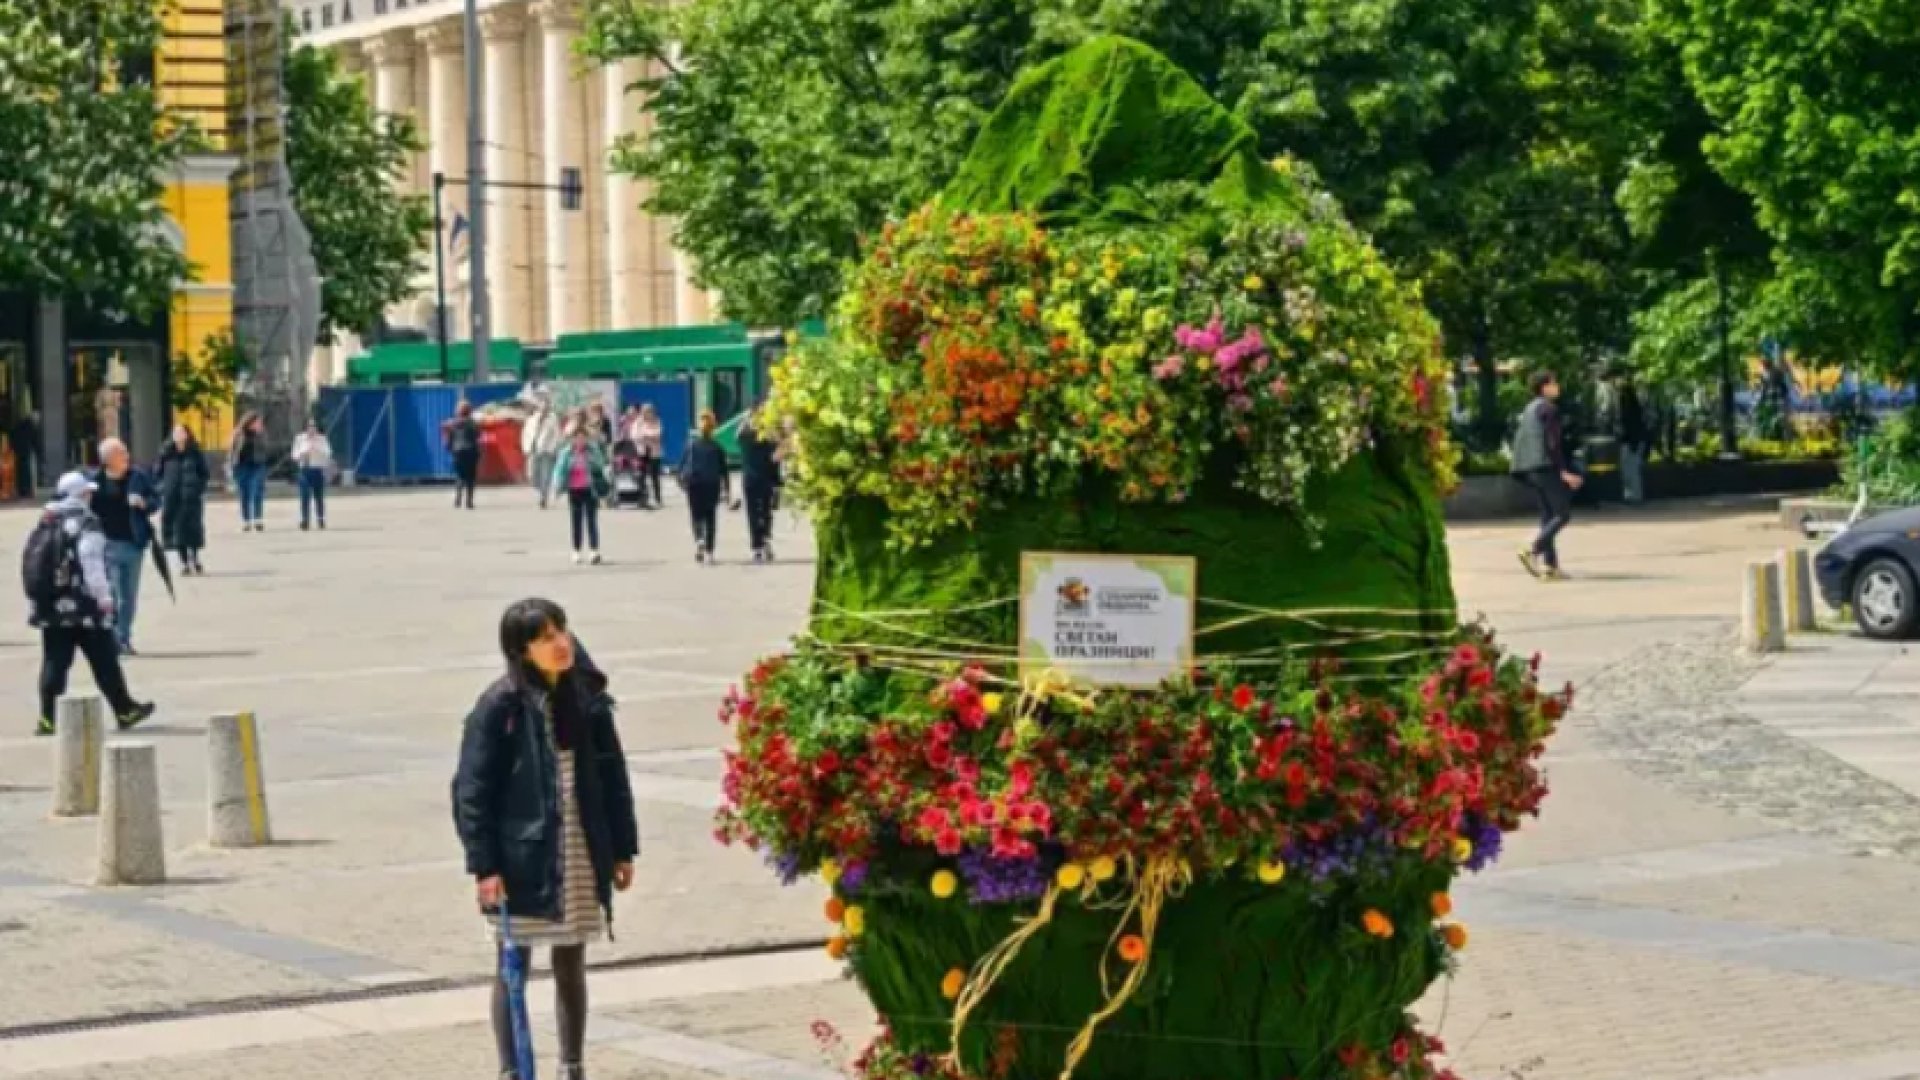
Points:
(760, 475)
(703, 473)
(1540, 461)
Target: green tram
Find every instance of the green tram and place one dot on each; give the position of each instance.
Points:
(727, 365)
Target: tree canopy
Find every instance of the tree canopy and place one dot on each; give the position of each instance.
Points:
(348, 165)
(87, 155)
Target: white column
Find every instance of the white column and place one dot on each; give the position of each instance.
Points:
(445, 43)
(629, 232)
(691, 304)
(391, 57)
(509, 262)
(569, 301)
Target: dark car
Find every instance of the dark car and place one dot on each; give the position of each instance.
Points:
(1873, 566)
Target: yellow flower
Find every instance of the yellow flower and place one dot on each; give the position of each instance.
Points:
(945, 884)
(1253, 283)
(1462, 849)
(1456, 936)
(1376, 924)
(1103, 868)
(855, 921)
(955, 981)
(1204, 363)
(992, 702)
(1071, 876)
(829, 871)
(1272, 872)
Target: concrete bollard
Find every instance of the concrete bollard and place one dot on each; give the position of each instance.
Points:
(132, 851)
(1762, 623)
(1796, 572)
(236, 786)
(79, 730)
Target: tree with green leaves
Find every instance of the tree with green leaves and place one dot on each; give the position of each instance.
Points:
(87, 155)
(206, 381)
(1816, 113)
(348, 165)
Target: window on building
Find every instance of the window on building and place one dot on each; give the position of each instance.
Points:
(306, 21)
(379, 7)
(570, 187)
(326, 16)
(346, 10)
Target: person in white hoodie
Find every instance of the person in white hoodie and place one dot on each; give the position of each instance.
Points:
(540, 439)
(313, 456)
(72, 604)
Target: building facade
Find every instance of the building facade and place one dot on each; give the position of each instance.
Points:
(83, 375)
(555, 265)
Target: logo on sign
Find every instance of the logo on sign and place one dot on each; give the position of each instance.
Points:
(1073, 595)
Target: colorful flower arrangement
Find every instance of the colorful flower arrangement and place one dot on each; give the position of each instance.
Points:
(905, 792)
(982, 357)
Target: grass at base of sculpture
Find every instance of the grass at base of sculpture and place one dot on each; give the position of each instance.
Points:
(1244, 981)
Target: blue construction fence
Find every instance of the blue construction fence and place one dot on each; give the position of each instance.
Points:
(392, 434)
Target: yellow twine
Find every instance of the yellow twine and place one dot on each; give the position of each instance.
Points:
(990, 967)
(1163, 875)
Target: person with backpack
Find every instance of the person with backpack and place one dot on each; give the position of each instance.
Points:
(703, 474)
(184, 477)
(581, 472)
(463, 442)
(124, 502)
(1540, 461)
(64, 573)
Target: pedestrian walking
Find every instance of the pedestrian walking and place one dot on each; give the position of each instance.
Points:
(124, 501)
(1630, 428)
(540, 441)
(184, 478)
(760, 476)
(650, 439)
(544, 811)
(25, 436)
(581, 471)
(703, 475)
(247, 461)
(463, 442)
(313, 456)
(64, 569)
(599, 429)
(1540, 461)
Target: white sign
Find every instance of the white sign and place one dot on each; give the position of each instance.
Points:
(1106, 620)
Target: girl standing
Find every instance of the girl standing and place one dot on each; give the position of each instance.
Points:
(183, 498)
(248, 456)
(581, 471)
(544, 811)
(313, 455)
(648, 437)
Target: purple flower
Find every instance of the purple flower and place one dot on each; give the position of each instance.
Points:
(853, 876)
(920, 1063)
(993, 880)
(786, 866)
(1487, 841)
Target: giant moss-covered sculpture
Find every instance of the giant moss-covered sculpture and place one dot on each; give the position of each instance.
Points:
(1120, 331)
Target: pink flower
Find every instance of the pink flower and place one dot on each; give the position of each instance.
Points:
(967, 769)
(1206, 342)
(1020, 779)
(944, 731)
(1170, 368)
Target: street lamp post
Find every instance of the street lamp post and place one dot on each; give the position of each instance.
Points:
(440, 273)
(477, 299)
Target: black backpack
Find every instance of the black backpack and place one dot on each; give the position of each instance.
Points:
(45, 570)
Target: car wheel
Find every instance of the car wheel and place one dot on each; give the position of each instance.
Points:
(1885, 602)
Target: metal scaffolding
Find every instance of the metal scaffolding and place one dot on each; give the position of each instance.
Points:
(276, 285)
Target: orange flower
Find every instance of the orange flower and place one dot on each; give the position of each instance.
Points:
(836, 909)
(1456, 936)
(1442, 905)
(1376, 924)
(1133, 948)
(837, 947)
(951, 986)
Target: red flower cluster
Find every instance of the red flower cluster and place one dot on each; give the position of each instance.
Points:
(1218, 772)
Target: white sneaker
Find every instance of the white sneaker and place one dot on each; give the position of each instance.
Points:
(576, 558)
(595, 560)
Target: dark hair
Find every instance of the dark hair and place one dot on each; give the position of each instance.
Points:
(522, 625)
(1541, 380)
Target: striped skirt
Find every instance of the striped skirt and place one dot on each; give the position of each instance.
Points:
(581, 920)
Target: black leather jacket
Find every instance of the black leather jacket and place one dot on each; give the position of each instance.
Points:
(506, 794)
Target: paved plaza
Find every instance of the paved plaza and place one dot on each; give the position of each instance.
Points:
(1722, 886)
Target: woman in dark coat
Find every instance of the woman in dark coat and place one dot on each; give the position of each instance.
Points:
(463, 442)
(545, 812)
(184, 477)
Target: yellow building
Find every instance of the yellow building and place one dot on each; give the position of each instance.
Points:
(192, 77)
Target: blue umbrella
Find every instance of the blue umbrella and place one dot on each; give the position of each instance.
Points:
(513, 972)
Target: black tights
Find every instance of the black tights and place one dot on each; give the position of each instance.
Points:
(570, 997)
